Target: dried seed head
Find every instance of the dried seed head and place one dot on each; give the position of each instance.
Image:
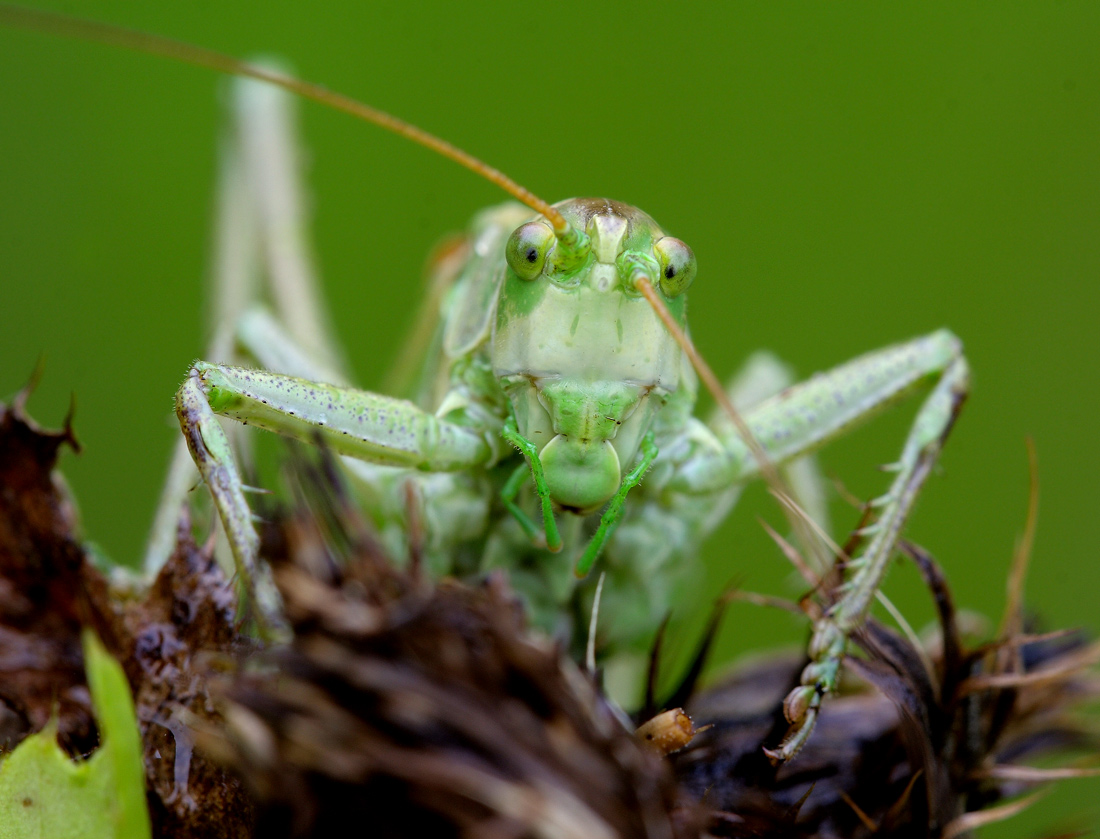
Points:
(667, 732)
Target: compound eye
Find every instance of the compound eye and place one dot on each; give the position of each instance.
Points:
(527, 249)
(677, 265)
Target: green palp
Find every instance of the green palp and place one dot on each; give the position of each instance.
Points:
(511, 434)
(614, 512)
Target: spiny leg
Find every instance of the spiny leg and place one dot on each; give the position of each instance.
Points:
(807, 416)
(212, 453)
(864, 573)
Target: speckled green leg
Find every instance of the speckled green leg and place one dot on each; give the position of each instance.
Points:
(362, 425)
(801, 419)
(212, 453)
(261, 250)
(808, 415)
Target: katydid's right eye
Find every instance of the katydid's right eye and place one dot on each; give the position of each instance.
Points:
(527, 249)
(677, 265)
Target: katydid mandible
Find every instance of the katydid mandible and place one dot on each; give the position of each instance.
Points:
(556, 405)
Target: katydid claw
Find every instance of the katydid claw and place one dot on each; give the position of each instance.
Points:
(797, 703)
(796, 738)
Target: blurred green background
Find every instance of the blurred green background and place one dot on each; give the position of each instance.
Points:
(848, 175)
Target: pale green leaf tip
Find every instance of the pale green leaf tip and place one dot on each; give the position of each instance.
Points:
(45, 794)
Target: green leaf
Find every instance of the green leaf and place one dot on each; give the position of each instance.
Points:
(45, 794)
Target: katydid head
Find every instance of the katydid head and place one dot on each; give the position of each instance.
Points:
(584, 358)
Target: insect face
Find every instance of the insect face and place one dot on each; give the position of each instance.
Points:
(581, 354)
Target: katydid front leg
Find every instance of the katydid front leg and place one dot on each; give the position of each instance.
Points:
(806, 416)
(364, 425)
(261, 252)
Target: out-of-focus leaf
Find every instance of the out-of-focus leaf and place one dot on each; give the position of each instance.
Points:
(43, 793)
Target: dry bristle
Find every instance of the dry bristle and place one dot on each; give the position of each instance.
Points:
(918, 755)
(1012, 618)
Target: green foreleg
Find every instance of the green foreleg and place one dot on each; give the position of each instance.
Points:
(210, 449)
(511, 434)
(614, 512)
(357, 423)
(350, 422)
(261, 242)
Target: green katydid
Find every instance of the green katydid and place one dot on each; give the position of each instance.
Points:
(560, 377)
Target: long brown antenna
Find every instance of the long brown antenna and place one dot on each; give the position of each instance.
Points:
(710, 381)
(767, 469)
(107, 33)
(132, 39)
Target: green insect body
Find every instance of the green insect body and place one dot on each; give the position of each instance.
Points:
(572, 367)
(556, 387)
(573, 360)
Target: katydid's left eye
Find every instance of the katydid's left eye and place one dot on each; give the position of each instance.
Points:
(527, 248)
(677, 265)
